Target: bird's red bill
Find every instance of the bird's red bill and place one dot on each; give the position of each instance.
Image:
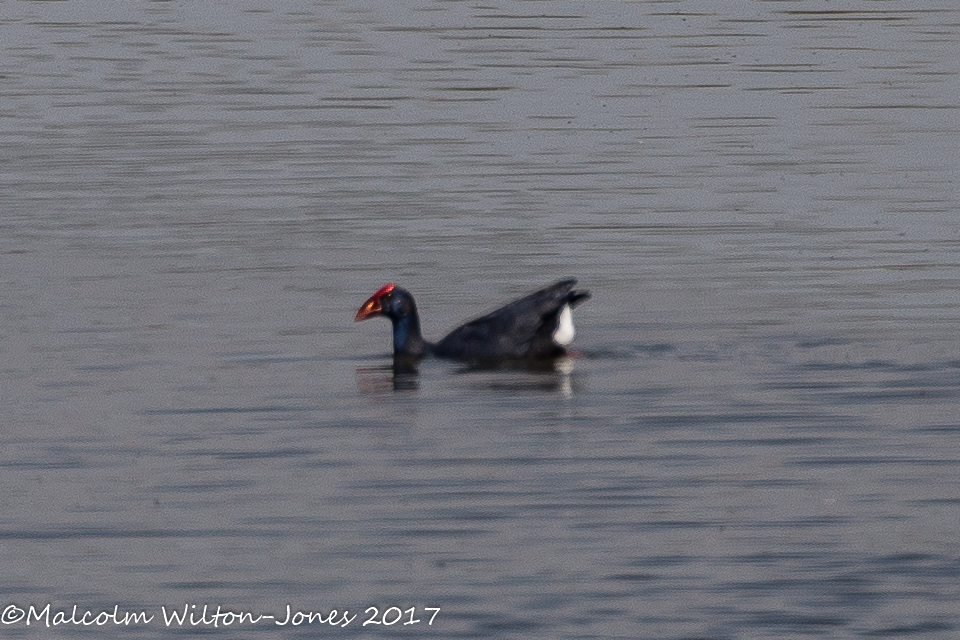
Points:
(372, 307)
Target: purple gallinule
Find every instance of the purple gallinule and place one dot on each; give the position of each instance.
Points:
(535, 327)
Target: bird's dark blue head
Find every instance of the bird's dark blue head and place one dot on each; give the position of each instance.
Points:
(398, 305)
(389, 300)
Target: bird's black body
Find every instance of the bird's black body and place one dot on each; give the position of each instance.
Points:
(525, 329)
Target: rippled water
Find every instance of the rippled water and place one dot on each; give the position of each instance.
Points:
(758, 440)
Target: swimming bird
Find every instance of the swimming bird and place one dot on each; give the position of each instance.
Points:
(535, 327)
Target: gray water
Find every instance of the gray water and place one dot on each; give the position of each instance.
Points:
(758, 439)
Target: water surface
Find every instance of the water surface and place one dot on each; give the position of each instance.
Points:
(758, 440)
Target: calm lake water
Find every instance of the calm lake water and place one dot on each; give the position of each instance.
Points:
(760, 436)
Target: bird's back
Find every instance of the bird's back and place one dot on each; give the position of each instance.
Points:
(522, 329)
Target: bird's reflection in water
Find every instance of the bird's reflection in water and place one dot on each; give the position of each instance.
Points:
(554, 375)
(400, 375)
(403, 374)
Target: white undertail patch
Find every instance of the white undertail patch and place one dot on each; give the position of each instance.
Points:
(565, 330)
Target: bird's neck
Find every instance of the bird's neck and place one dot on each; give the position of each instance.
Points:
(407, 340)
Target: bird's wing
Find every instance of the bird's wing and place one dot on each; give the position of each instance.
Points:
(521, 329)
